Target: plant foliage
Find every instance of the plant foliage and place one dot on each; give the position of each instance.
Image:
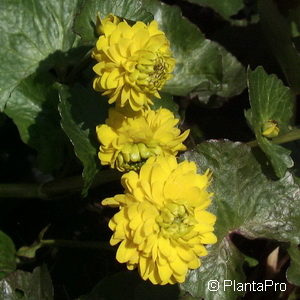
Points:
(52, 180)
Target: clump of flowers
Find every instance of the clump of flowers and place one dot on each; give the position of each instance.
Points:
(134, 62)
(163, 225)
(127, 142)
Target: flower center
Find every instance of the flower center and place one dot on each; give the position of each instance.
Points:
(175, 220)
(159, 75)
(151, 71)
(133, 156)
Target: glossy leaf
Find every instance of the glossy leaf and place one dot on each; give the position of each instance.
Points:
(203, 68)
(33, 108)
(81, 111)
(224, 262)
(85, 24)
(22, 285)
(270, 100)
(7, 255)
(33, 36)
(245, 202)
(293, 272)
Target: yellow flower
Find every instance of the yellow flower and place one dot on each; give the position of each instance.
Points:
(107, 25)
(127, 142)
(134, 62)
(270, 129)
(162, 225)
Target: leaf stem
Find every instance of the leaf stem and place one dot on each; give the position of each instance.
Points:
(21, 190)
(55, 188)
(292, 135)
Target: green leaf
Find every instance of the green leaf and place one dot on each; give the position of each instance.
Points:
(225, 8)
(85, 22)
(270, 100)
(7, 255)
(293, 272)
(22, 285)
(129, 286)
(203, 68)
(30, 251)
(279, 37)
(81, 111)
(224, 262)
(223, 75)
(245, 202)
(33, 108)
(33, 34)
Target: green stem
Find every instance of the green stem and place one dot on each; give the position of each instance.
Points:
(55, 188)
(20, 190)
(292, 135)
(71, 185)
(77, 244)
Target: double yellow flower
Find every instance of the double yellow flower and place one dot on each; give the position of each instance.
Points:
(127, 142)
(162, 224)
(134, 62)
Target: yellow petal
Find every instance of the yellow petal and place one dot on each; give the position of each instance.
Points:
(203, 216)
(105, 134)
(106, 157)
(194, 264)
(115, 95)
(180, 278)
(110, 201)
(179, 267)
(208, 238)
(126, 30)
(112, 79)
(164, 272)
(125, 251)
(137, 97)
(125, 94)
(103, 80)
(185, 253)
(164, 246)
(200, 250)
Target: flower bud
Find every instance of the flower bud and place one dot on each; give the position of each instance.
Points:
(270, 129)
